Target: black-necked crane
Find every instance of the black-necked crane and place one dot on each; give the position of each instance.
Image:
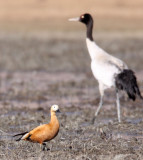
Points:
(108, 70)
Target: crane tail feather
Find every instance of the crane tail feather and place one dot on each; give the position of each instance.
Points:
(126, 80)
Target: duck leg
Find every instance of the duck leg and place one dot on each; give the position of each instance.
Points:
(45, 148)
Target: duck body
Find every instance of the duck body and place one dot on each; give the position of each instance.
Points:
(43, 133)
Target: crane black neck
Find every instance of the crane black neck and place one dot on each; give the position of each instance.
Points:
(89, 27)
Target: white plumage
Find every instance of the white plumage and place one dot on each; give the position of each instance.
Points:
(103, 65)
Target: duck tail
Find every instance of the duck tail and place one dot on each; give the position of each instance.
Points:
(21, 135)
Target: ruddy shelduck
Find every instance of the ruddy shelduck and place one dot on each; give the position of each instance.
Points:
(43, 133)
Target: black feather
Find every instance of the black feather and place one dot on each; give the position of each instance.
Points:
(18, 139)
(20, 134)
(126, 80)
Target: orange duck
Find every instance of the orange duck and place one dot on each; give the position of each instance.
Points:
(43, 133)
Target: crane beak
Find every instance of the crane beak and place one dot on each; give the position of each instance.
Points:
(58, 111)
(74, 19)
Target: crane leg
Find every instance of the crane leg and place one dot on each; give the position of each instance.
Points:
(118, 106)
(101, 89)
(100, 105)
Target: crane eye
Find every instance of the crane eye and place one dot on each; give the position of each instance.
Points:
(82, 16)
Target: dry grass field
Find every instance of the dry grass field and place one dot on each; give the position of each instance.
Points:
(44, 61)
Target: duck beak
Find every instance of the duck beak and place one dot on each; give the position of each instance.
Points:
(58, 111)
(74, 19)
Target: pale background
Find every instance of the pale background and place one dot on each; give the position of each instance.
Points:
(126, 15)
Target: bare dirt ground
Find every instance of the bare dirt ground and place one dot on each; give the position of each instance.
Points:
(44, 61)
(38, 70)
